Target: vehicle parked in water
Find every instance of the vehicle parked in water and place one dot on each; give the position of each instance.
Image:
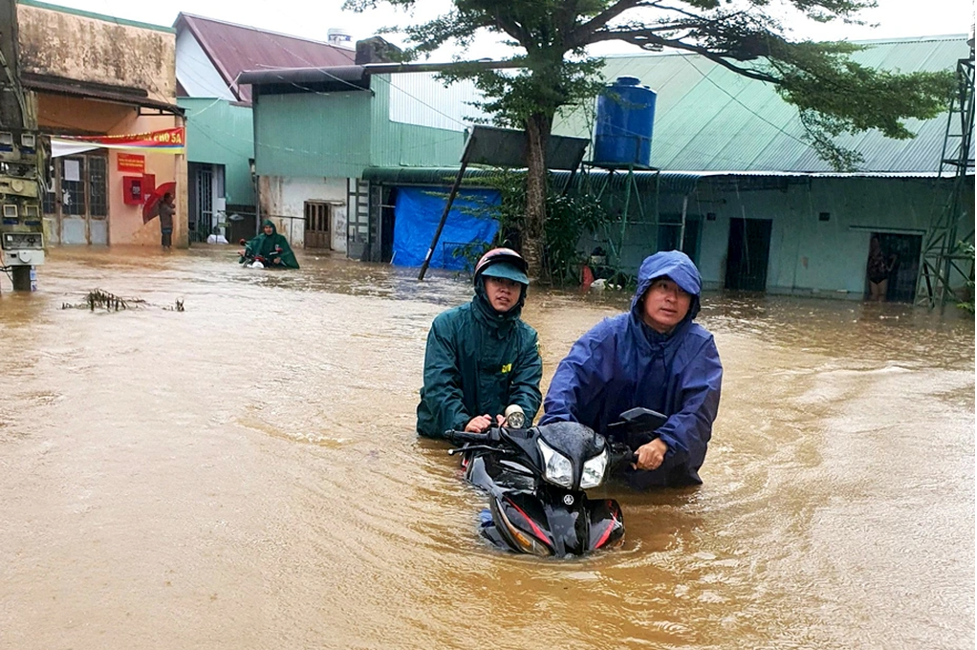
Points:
(537, 477)
(252, 261)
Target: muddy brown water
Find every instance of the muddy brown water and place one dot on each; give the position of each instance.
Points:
(245, 474)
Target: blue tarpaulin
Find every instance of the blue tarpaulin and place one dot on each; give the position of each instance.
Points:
(417, 212)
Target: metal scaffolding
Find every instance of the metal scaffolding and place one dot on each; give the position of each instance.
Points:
(633, 211)
(941, 253)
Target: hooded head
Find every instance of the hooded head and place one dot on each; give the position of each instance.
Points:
(677, 267)
(265, 224)
(508, 267)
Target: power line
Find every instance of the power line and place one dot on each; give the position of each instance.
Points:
(688, 60)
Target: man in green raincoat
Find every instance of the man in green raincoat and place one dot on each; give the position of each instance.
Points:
(271, 247)
(481, 357)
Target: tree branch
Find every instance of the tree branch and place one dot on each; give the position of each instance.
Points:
(579, 36)
(512, 28)
(648, 36)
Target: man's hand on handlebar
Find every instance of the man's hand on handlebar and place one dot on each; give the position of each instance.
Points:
(650, 455)
(481, 423)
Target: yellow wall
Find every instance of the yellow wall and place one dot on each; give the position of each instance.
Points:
(88, 49)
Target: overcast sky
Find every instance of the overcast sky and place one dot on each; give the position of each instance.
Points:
(311, 19)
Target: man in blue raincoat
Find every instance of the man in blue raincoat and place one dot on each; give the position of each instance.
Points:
(653, 356)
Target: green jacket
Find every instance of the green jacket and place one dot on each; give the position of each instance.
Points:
(478, 362)
(264, 245)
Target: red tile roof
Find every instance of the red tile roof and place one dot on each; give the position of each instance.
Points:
(233, 49)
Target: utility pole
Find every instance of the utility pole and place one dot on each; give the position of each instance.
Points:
(21, 162)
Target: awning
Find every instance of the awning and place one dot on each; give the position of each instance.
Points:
(301, 80)
(136, 97)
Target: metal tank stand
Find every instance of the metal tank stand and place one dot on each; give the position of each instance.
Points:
(941, 251)
(632, 193)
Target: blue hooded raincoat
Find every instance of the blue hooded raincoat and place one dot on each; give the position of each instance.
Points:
(621, 363)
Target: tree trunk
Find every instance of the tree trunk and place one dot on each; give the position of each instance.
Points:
(538, 128)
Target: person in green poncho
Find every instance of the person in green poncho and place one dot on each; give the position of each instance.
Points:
(271, 247)
(481, 358)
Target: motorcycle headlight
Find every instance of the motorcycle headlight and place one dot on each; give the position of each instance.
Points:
(558, 469)
(593, 471)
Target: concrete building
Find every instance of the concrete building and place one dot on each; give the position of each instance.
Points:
(210, 56)
(762, 211)
(319, 131)
(733, 181)
(96, 75)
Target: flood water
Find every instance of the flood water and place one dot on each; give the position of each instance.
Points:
(245, 474)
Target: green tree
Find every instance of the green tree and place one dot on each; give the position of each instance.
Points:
(551, 69)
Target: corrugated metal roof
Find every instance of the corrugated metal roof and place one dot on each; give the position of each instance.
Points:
(673, 182)
(670, 182)
(234, 49)
(709, 118)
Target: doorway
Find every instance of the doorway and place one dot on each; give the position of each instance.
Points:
(387, 220)
(205, 193)
(317, 217)
(672, 236)
(76, 200)
(748, 254)
(903, 252)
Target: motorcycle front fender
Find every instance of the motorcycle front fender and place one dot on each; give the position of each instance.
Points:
(566, 523)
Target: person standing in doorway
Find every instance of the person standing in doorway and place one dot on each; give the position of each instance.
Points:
(166, 211)
(878, 269)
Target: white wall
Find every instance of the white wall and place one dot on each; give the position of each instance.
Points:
(285, 197)
(808, 255)
(420, 98)
(195, 72)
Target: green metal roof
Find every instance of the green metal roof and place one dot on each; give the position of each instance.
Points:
(673, 182)
(711, 119)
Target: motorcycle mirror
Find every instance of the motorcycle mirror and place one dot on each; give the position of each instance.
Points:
(243, 241)
(640, 417)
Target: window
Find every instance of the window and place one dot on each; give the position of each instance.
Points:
(316, 216)
(670, 232)
(97, 199)
(77, 186)
(72, 186)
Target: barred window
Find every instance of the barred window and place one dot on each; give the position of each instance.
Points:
(97, 195)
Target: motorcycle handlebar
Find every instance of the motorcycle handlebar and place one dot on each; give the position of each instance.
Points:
(466, 436)
(621, 454)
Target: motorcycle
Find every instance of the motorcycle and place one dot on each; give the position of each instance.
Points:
(252, 261)
(536, 480)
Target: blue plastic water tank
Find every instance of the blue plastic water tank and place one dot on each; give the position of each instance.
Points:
(625, 118)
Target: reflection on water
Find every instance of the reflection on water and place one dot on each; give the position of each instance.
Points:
(245, 474)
